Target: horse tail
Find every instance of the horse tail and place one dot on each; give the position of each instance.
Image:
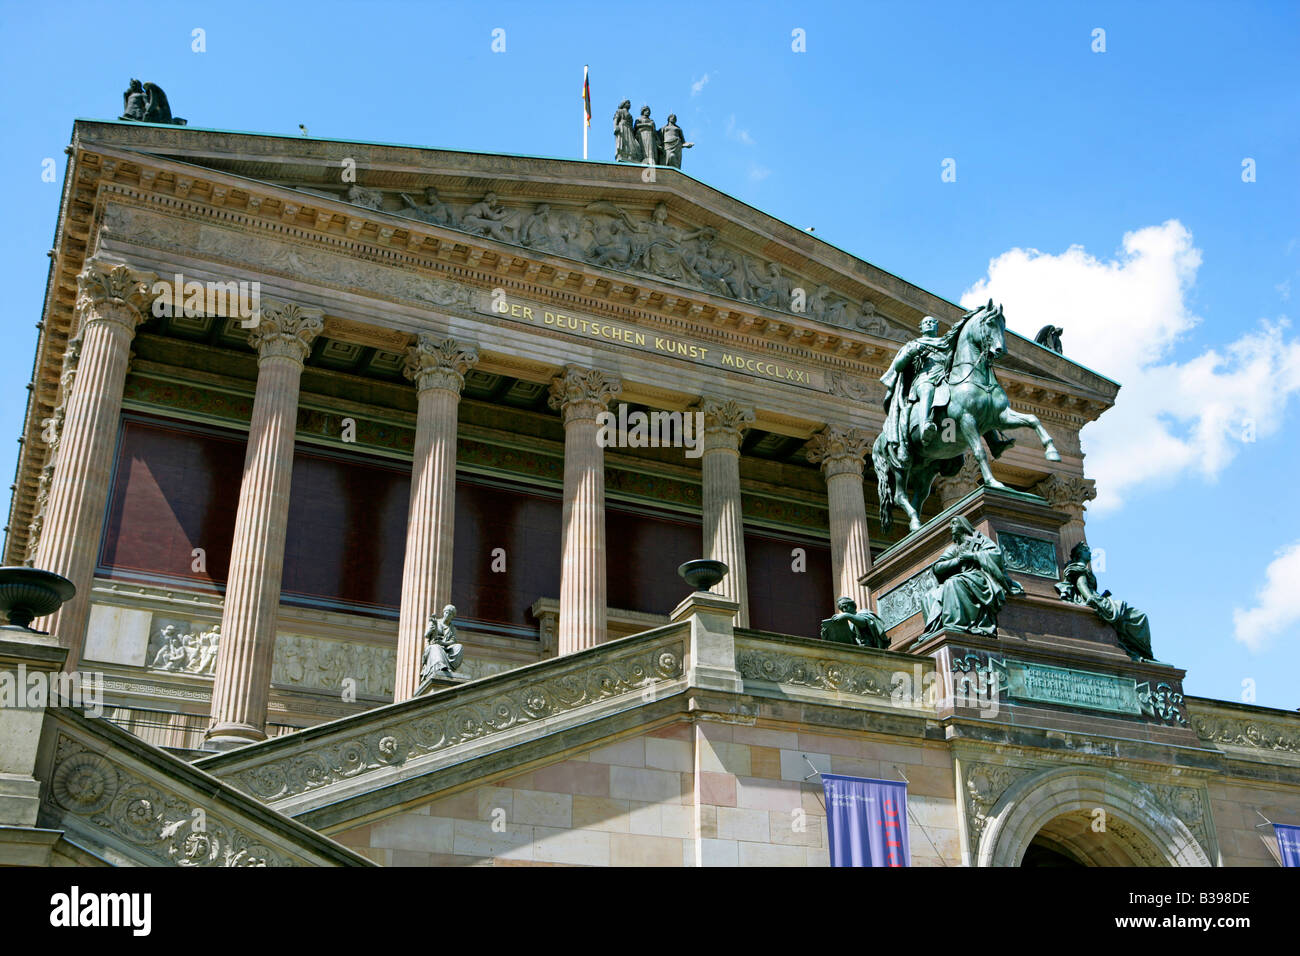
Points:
(884, 485)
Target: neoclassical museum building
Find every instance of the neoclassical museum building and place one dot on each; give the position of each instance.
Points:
(262, 503)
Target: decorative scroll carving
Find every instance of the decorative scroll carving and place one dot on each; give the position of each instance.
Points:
(433, 363)
(1036, 556)
(906, 599)
(583, 392)
(821, 673)
(157, 821)
(1187, 804)
(285, 330)
(985, 785)
(1162, 702)
(840, 450)
(462, 716)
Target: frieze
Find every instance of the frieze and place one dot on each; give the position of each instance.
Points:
(322, 665)
(820, 673)
(154, 820)
(460, 717)
(1036, 556)
(1250, 733)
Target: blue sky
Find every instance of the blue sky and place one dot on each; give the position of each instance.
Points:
(1101, 190)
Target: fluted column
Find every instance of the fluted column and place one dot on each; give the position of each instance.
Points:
(580, 395)
(724, 527)
(112, 300)
(1071, 494)
(841, 452)
(283, 338)
(438, 369)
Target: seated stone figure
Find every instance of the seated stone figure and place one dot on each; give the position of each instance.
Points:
(442, 655)
(973, 584)
(851, 626)
(1079, 586)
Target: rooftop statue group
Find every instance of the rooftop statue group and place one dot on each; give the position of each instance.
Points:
(637, 141)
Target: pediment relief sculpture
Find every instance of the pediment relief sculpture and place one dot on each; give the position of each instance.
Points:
(605, 234)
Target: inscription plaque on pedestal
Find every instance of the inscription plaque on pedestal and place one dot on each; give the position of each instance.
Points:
(1061, 685)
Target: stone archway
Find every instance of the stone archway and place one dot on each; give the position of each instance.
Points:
(1054, 811)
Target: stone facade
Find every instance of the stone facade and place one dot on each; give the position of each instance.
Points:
(419, 365)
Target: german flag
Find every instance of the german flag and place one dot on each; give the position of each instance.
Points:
(586, 96)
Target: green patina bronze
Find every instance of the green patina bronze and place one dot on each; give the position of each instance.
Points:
(1079, 586)
(851, 626)
(973, 584)
(1036, 556)
(941, 401)
(1063, 685)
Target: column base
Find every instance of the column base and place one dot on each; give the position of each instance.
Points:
(230, 736)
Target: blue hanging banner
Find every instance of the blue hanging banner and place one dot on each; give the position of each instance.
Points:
(1288, 843)
(866, 821)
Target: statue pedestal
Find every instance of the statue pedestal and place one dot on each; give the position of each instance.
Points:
(1029, 532)
(433, 684)
(1051, 663)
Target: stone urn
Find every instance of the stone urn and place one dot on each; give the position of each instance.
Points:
(29, 593)
(702, 573)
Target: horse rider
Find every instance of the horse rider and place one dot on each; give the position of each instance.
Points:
(926, 362)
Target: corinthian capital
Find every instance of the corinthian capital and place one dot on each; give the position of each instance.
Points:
(840, 450)
(583, 392)
(439, 363)
(725, 422)
(285, 330)
(112, 292)
(1069, 493)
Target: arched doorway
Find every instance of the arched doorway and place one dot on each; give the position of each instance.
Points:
(1087, 816)
(1083, 838)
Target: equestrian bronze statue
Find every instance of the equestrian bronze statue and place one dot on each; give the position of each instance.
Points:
(941, 401)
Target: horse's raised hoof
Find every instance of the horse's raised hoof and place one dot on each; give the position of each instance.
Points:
(1051, 454)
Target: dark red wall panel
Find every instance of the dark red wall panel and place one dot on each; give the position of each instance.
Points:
(347, 532)
(175, 489)
(527, 527)
(781, 599)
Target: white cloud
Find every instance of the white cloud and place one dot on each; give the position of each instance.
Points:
(758, 173)
(740, 135)
(1122, 317)
(1277, 603)
(698, 86)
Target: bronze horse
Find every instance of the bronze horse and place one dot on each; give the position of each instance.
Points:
(977, 406)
